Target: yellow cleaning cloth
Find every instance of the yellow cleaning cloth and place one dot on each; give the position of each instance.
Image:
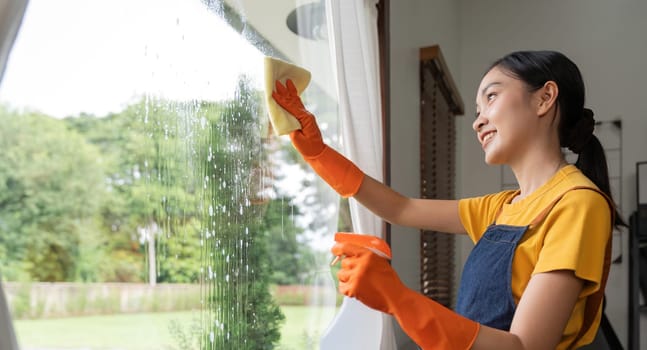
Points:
(276, 69)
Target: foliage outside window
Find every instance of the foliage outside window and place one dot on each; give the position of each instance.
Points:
(188, 193)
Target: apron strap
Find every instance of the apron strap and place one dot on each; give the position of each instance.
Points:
(593, 301)
(496, 216)
(542, 215)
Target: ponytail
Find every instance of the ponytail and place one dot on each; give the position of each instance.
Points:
(592, 162)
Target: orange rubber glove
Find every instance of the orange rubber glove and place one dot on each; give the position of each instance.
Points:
(370, 278)
(339, 172)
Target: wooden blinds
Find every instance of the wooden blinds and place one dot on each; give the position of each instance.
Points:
(439, 104)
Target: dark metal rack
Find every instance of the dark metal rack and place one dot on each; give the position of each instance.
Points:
(638, 258)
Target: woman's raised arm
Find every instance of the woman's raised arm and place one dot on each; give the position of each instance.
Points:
(348, 180)
(431, 214)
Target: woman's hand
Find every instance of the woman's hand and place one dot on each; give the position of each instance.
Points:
(367, 277)
(371, 279)
(339, 172)
(308, 140)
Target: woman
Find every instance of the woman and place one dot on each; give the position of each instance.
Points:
(536, 276)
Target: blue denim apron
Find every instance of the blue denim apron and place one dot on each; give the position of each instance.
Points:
(485, 293)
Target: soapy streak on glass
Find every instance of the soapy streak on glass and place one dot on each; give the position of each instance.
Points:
(64, 64)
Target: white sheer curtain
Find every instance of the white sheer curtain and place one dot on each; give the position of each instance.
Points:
(352, 29)
(11, 14)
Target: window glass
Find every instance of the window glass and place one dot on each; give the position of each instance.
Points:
(145, 202)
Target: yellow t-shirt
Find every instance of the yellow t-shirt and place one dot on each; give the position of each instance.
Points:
(572, 236)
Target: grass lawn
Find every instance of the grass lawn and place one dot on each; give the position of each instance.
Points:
(302, 328)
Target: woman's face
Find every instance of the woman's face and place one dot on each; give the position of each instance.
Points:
(504, 122)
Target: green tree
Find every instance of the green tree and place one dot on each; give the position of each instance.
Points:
(180, 261)
(242, 314)
(50, 191)
(115, 254)
(152, 190)
(291, 259)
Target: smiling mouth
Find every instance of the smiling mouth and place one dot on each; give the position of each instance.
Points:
(487, 137)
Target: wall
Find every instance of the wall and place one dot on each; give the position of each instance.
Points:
(414, 24)
(606, 40)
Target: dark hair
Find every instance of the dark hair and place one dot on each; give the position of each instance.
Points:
(576, 123)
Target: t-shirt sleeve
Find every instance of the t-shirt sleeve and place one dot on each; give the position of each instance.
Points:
(578, 229)
(477, 213)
